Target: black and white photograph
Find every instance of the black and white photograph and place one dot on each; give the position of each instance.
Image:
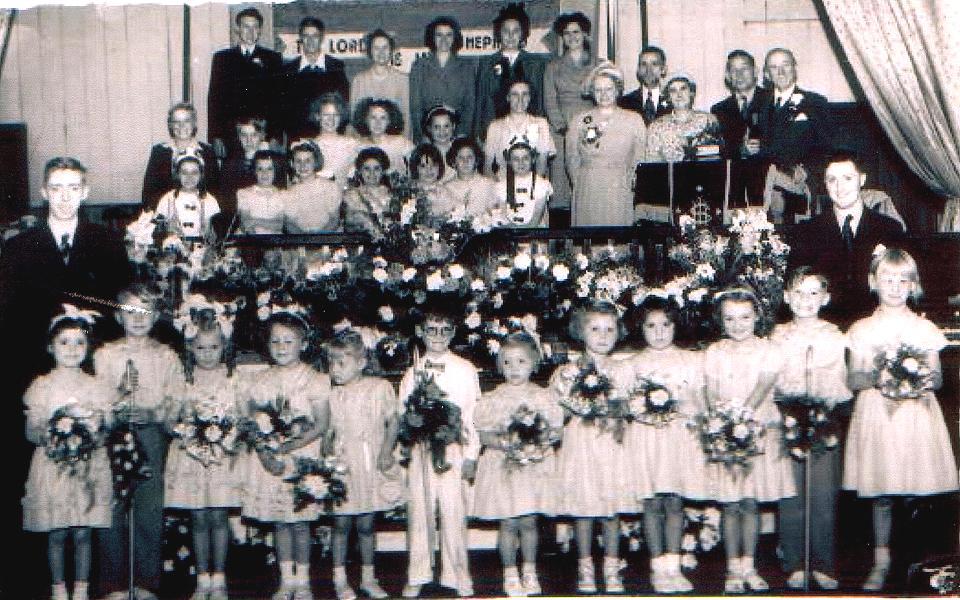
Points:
(338, 299)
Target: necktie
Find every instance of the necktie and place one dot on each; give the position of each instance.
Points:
(649, 109)
(744, 105)
(847, 233)
(65, 247)
(779, 103)
(435, 366)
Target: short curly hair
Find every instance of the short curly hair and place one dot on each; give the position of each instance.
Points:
(378, 33)
(336, 100)
(594, 307)
(431, 31)
(513, 11)
(464, 142)
(360, 114)
(425, 151)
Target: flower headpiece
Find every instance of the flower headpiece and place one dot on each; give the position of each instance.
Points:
(196, 309)
(275, 303)
(86, 318)
(438, 108)
(190, 155)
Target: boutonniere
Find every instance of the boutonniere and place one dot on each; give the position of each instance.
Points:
(258, 61)
(498, 69)
(796, 98)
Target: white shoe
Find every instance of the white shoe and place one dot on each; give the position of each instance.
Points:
(586, 579)
(373, 590)
(661, 582)
(343, 590)
(58, 591)
(876, 578)
(681, 584)
(284, 593)
(465, 591)
(825, 582)
(218, 593)
(755, 582)
(796, 581)
(304, 593)
(512, 587)
(612, 583)
(411, 590)
(733, 584)
(531, 584)
(80, 592)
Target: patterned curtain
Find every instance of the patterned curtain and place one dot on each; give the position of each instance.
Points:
(906, 56)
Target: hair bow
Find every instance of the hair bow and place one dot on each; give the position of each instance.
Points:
(75, 314)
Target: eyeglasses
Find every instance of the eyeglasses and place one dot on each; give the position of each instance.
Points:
(439, 331)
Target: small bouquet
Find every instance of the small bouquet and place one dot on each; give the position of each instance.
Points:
(318, 481)
(274, 424)
(807, 425)
(73, 433)
(903, 373)
(701, 533)
(730, 433)
(207, 433)
(655, 404)
(429, 419)
(591, 397)
(128, 461)
(529, 437)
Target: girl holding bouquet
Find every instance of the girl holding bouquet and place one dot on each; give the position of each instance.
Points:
(740, 373)
(591, 464)
(898, 444)
(667, 394)
(201, 474)
(68, 490)
(518, 423)
(299, 395)
(363, 417)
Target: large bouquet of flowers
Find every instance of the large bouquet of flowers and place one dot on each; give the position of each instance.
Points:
(318, 481)
(730, 433)
(589, 394)
(73, 433)
(701, 533)
(273, 424)
(207, 433)
(529, 437)
(808, 425)
(430, 419)
(652, 403)
(903, 373)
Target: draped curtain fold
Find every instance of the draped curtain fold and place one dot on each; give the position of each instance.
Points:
(906, 57)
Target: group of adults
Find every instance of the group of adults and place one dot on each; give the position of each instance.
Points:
(586, 135)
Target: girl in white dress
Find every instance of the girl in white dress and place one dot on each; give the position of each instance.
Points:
(68, 499)
(590, 482)
(261, 205)
(267, 497)
(523, 194)
(363, 418)
(189, 207)
(674, 465)
(207, 485)
(518, 126)
(505, 490)
(311, 204)
(440, 125)
(469, 188)
(895, 447)
(742, 370)
(338, 149)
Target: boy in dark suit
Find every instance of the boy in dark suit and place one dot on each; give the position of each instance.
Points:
(242, 82)
(839, 242)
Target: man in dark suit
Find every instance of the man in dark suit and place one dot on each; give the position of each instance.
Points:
(839, 243)
(649, 100)
(242, 84)
(737, 115)
(62, 260)
(310, 75)
(495, 72)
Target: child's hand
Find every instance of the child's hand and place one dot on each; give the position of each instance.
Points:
(469, 469)
(385, 462)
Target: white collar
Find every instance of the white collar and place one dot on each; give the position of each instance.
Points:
(747, 96)
(654, 92)
(60, 228)
(321, 61)
(511, 56)
(856, 211)
(784, 96)
(247, 49)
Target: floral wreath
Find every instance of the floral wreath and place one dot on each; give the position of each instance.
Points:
(196, 306)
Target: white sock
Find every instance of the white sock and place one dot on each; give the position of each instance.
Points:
(530, 568)
(80, 586)
(881, 556)
(303, 575)
(203, 581)
(746, 564)
(286, 572)
(340, 574)
(218, 579)
(611, 562)
(671, 563)
(510, 572)
(733, 565)
(367, 575)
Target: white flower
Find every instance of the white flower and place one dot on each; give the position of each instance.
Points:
(591, 380)
(659, 397)
(522, 261)
(582, 261)
(455, 271)
(688, 561)
(315, 486)
(542, 262)
(493, 346)
(213, 434)
(64, 425)
(380, 274)
(797, 452)
(688, 543)
(796, 98)
(263, 423)
(789, 422)
(714, 425)
(386, 314)
(434, 281)
(831, 441)
(503, 272)
(686, 221)
(911, 365)
(408, 274)
(560, 272)
(711, 516)
(705, 271)
(473, 320)
(379, 262)
(263, 298)
(264, 312)
(741, 431)
(477, 285)
(697, 295)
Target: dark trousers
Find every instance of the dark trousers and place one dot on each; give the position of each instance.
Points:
(147, 524)
(824, 486)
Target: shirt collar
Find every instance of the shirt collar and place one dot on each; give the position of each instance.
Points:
(247, 49)
(748, 96)
(784, 96)
(321, 61)
(511, 56)
(655, 92)
(856, 211)
(58, 228)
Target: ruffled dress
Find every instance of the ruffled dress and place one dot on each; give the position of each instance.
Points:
(897, 447)
(732, 370)
(503, 490)
(56, 495)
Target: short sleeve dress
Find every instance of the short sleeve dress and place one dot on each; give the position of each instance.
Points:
(261, 209)
(732, 370)
(56, 495)
(897, 447)
(506, 131)
(188, 482)
(671, 456)
(503, 490)
(312, 206)
(268, 497)
(359, 412)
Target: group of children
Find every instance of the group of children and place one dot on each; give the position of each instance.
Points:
(597, 473)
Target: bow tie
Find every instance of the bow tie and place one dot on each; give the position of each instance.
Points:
(435, 366)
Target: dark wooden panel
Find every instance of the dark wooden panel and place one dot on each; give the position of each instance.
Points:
(14, 179)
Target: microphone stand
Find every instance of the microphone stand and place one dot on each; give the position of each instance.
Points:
(807, 478)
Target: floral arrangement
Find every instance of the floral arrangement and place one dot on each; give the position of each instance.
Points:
(903, 373)
(73, 433)
(730, 433)
(529, 437)
(943, 579)
(196, 307)
(807, 425)
(590, 132)
(704, 142)
(429, 419)
(590, 395)
(274, 424)
(128, 461)
(652, 403)
(318, 481)
(701, 533)
(207, 433)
